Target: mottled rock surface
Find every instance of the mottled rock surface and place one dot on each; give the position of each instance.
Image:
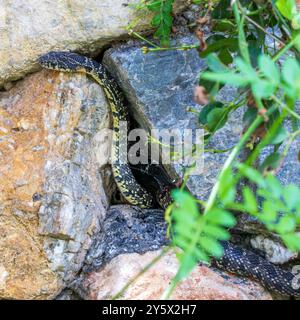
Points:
(29, 28)
(275, 252)
(160, 88)
(202, 284)
(51, 194)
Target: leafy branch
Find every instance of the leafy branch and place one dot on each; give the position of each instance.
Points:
(268, 79)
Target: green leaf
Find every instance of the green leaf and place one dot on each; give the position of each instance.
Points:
(222, 217)
(291, 195)
(217, 232)
(286, 225)
(292, 241)
(223, 25)
(187, 263)
(154, 5)
(222, 10)
(185, 201)
(263, 89)
(162, 19)
(296, 22)
(252, 174)
(287, 8)
(207, 109)
(246, 69)
(271, 162)
(250, 202)
(225, 56)
(227, 190)
(269, 213)
(274, 185)
(249, 116)
(215, 64)
(279, 136)
(226, 43)
(291, 77)
(269, 69)
(216, 119)
(211, 246)
(234, 79)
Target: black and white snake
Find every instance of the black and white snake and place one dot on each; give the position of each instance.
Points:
(235, 259)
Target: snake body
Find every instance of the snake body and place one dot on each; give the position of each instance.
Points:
(235, 259)
(70, 62)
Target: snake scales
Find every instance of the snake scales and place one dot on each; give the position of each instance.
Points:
(235, 259)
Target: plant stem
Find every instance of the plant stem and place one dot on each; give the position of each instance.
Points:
(286, 48)
(260, 27)
(184, 47)
(137, 35)
(143, 270)
(232, 156)
(284, 106)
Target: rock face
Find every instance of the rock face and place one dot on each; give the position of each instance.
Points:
(202, 284)
(275, 252)
(29, 28)
(160, 88)
(129, 240)
(51, 193)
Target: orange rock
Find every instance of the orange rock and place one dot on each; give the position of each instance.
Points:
(51, 192)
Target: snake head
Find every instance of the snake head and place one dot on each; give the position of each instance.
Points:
(67, 62)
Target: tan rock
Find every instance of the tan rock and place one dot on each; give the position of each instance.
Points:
(202, 284)
(29, 28)
(51, 192)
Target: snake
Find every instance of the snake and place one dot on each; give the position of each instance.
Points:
(70, 62)
(235, 259)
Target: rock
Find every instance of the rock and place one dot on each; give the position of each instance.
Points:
(202, 284)
(275, 252)
(160, 85)
(52, 197)
(160, 88)
(41, 26)
(67, 294)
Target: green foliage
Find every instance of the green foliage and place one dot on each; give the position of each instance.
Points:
(280, 205)
(237, 54)
(214, 116)
(196, 234)
(162, 20)
(287, 8)
(264, 81)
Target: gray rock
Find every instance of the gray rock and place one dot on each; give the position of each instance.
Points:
(275, 252)
(76, 198)
(160, 88)
(68, 294)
